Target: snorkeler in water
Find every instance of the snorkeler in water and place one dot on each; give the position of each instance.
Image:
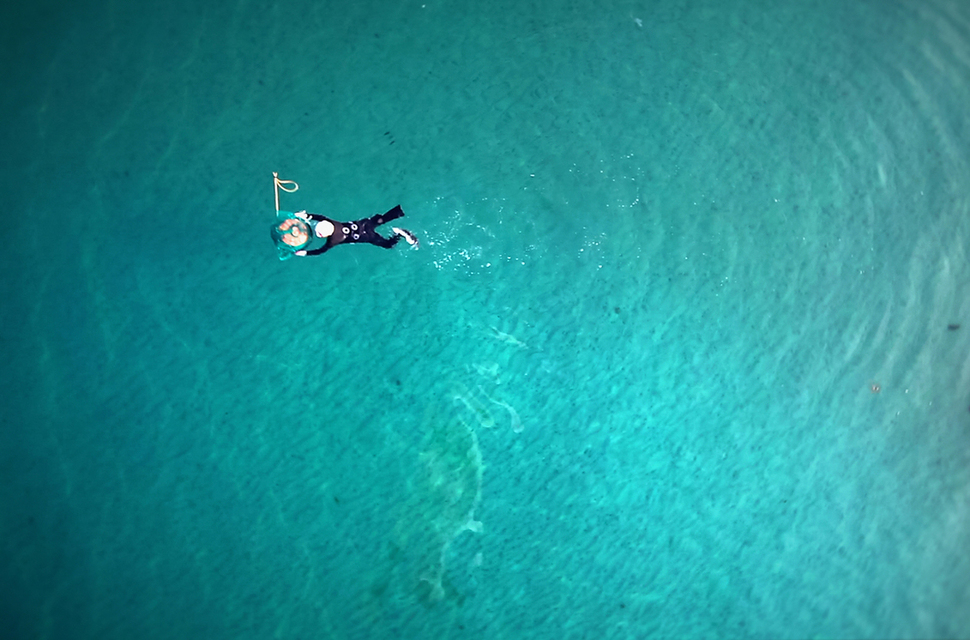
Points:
(294, 232)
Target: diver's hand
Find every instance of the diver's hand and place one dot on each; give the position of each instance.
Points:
(301, 252)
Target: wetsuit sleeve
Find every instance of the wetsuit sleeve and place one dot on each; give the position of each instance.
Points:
(319, 250)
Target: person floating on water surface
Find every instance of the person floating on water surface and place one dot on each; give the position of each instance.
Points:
(364, 230)
(292, 231)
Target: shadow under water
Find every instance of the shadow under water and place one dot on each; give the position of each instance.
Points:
(442, 497)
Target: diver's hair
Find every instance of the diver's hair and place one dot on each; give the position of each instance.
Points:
(277, 235)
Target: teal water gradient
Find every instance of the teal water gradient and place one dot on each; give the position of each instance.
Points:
(668, 251)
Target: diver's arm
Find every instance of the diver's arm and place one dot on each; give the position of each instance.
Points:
(314, 252)
(303, 215)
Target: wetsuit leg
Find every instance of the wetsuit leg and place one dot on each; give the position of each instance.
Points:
(393, 214)
(387, 243)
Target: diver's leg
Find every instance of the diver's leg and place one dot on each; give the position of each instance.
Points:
(381, 241)
(393, 214)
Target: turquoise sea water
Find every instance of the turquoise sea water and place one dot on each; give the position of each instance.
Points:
(624, 389)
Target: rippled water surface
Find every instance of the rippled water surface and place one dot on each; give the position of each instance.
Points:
(683, 352)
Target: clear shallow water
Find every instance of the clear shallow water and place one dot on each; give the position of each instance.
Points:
(663, 264)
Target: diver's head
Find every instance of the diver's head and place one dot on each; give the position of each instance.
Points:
(324, 229)
(291, 234)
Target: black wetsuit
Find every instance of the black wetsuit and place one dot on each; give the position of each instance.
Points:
(364, 230)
